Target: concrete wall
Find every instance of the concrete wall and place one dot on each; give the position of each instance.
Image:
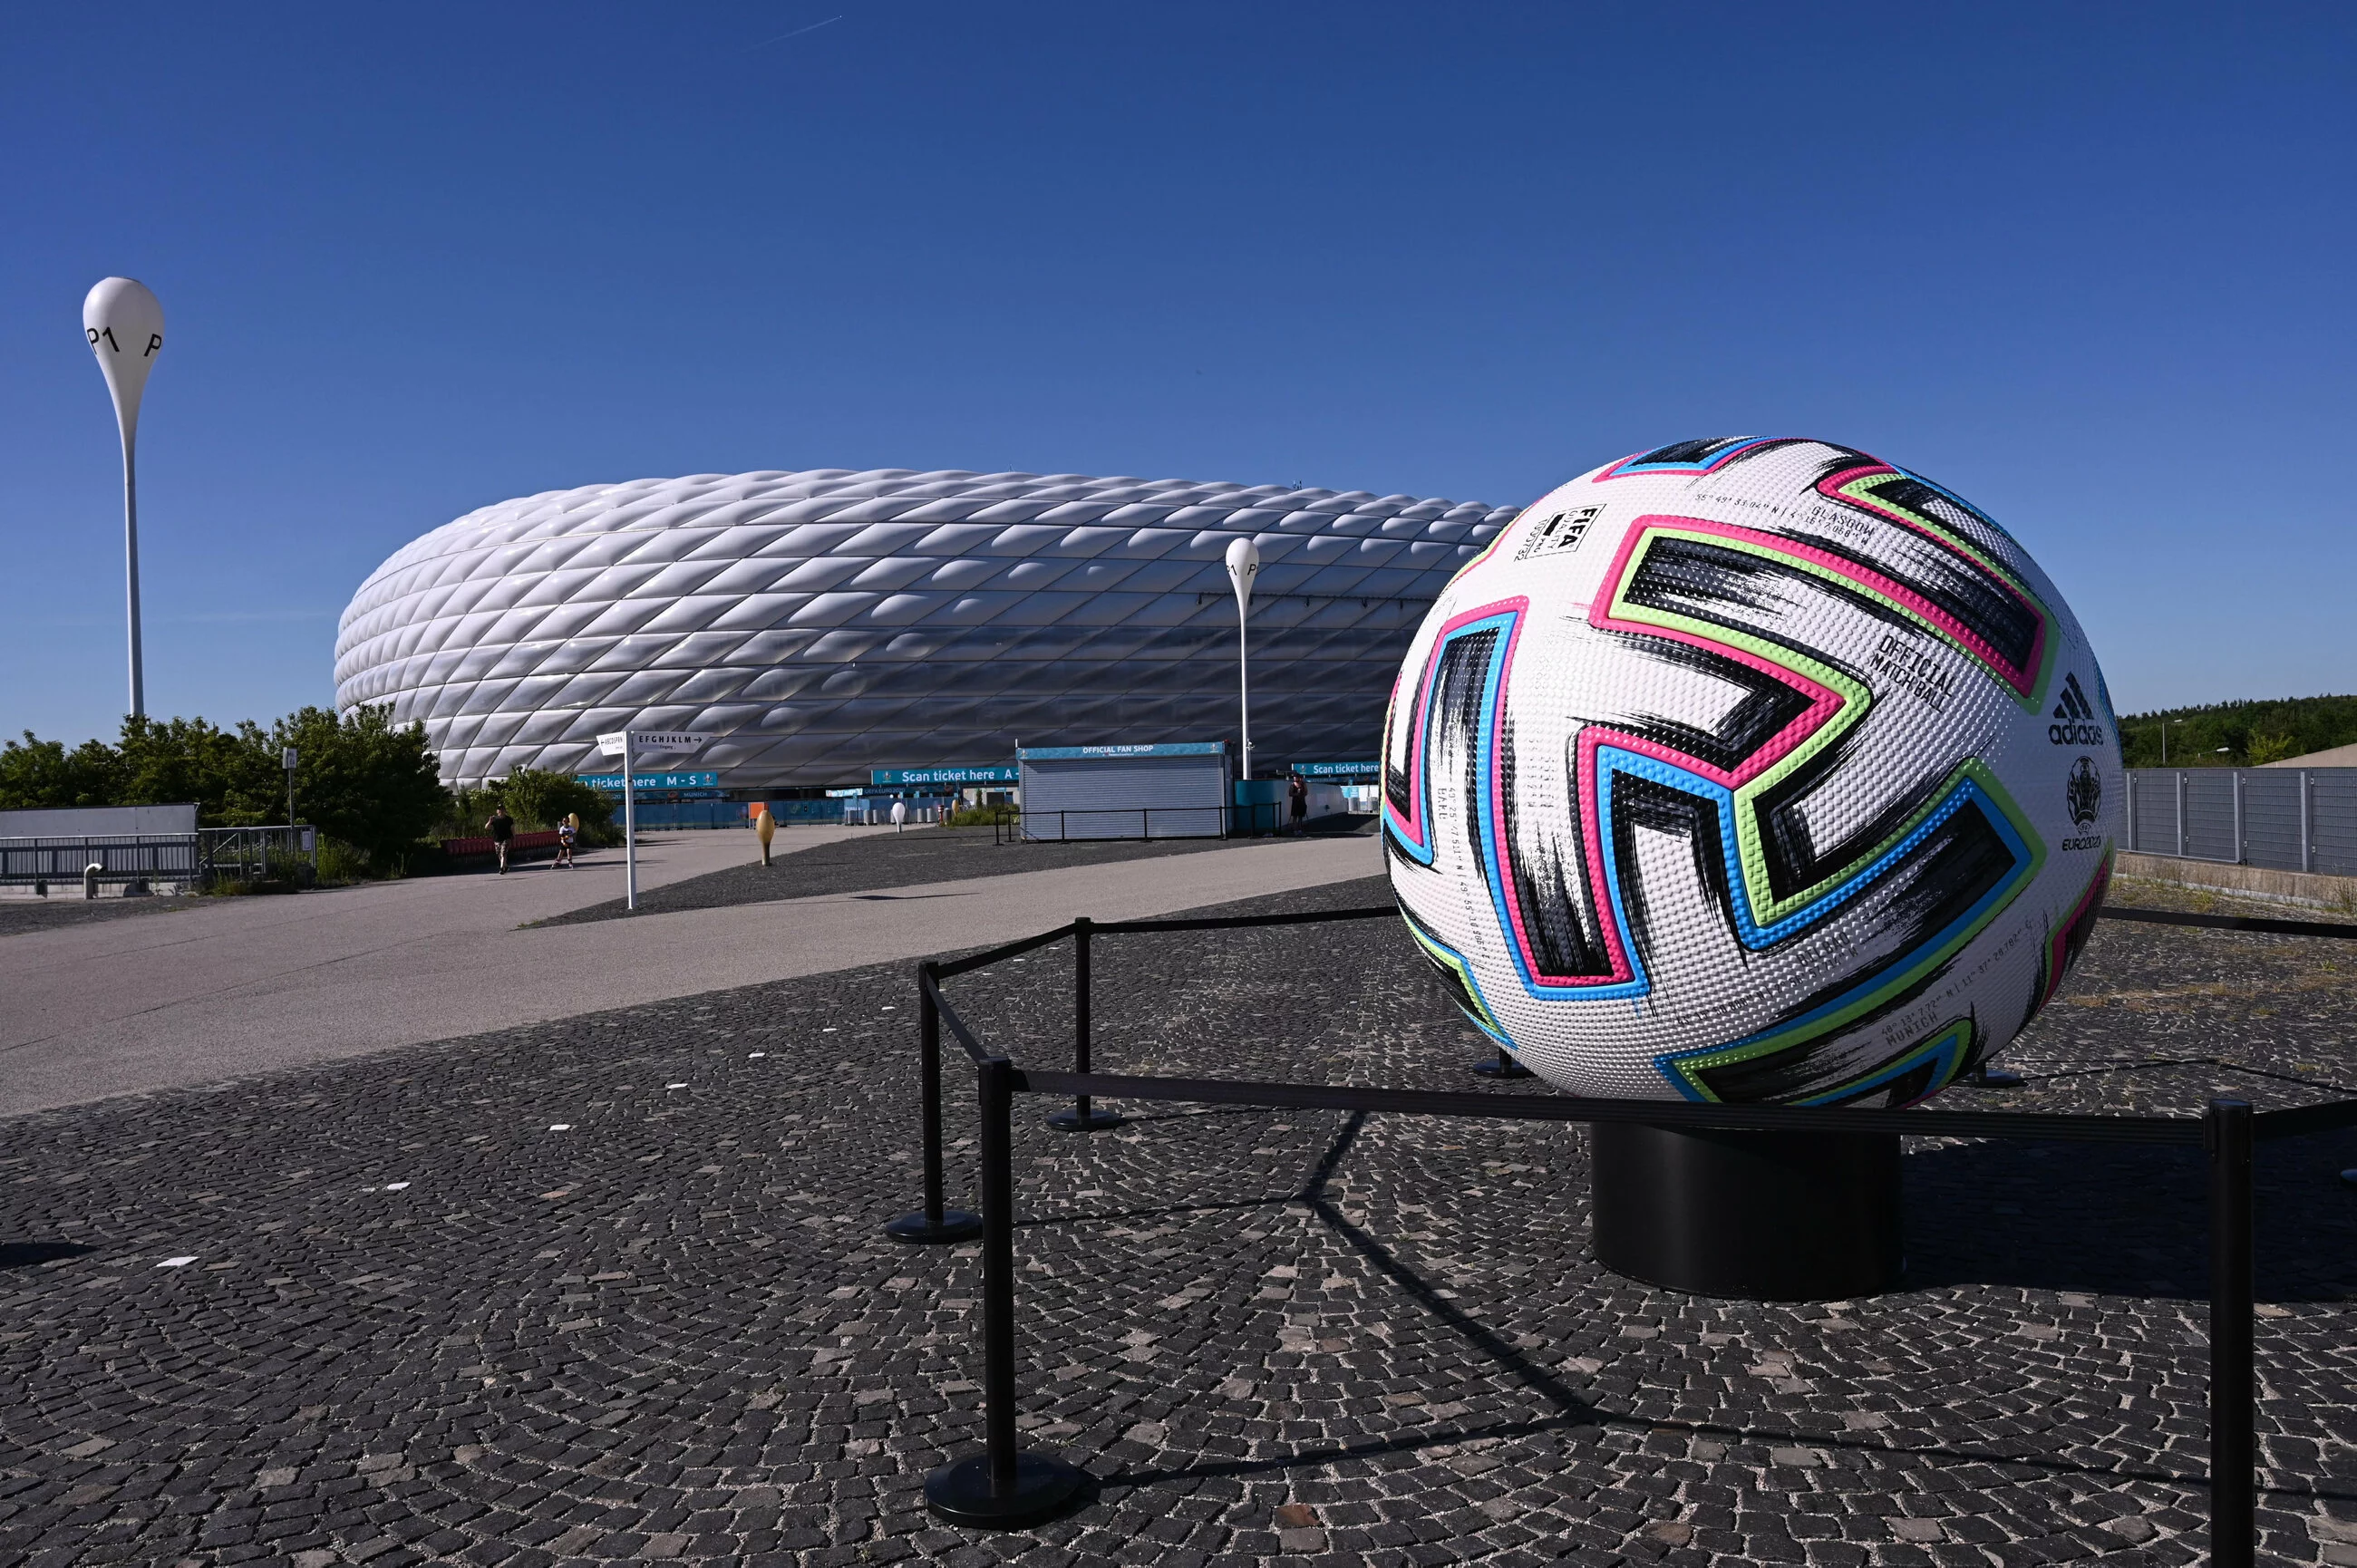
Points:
(98, 821)
(2251, 881)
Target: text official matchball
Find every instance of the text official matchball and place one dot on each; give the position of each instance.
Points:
(1751, 770)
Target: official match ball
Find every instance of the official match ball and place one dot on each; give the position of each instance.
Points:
(1751, 770)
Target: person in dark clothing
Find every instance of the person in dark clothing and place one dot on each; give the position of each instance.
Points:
(502, 828)
(1296, 793)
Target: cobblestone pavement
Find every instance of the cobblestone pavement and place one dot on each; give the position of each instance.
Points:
(910, 859)
(612, 1289)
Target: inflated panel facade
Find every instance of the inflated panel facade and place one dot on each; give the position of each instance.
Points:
(826, 622)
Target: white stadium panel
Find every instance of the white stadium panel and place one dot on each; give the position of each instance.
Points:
(826, 622)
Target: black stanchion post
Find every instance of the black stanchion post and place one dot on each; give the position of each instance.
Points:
(1505, 1066)
(1081, 1117)
(2233, 1383)
(1003, 1486)
(933, 1223)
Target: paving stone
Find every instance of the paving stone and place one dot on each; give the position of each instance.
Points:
(1273, 1337)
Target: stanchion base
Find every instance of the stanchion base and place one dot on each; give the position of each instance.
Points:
(1094, 1122)
(960, 1492)
(1502, 1067)
(1758, 1216)
(918, 1228)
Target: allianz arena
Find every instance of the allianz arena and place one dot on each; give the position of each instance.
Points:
(823, 623)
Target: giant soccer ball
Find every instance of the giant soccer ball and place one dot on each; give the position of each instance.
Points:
(1751, 770)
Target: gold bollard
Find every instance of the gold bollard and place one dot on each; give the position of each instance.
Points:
(764, 826)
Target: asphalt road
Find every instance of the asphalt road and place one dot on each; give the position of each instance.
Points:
(898, 859)
(254, 984)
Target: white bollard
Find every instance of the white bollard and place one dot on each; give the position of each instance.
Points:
(90, 879)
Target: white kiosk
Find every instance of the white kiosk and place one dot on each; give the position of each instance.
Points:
(1174, 790)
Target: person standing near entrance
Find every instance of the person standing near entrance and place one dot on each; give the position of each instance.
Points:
(502, 828)
(1296, 795)
(567, 831)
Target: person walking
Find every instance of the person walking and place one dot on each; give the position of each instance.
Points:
(1296, 794)
(502, 827)
(567, 832)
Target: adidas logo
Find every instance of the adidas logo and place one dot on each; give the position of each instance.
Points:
(2078, 726)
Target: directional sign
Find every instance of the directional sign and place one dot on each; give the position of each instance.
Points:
(651, 741)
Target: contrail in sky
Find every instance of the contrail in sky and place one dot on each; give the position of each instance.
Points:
(797, 33)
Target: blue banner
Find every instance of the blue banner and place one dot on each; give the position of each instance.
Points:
(1338, 769)
(1167, 749)
(1000, 774)
(613, 781)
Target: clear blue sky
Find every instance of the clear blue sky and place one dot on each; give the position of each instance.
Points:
(2088, 264)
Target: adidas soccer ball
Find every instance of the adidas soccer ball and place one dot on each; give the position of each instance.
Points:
(1751, 770)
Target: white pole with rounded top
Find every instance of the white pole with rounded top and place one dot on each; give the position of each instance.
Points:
(125, 324)
(1243, 565)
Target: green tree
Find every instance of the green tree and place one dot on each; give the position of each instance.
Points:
(2245, 729)
(2273, 747)
(38, 775)
(360, 778)
(540, 799)
(227, 773)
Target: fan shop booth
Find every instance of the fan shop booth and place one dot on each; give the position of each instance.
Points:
(1175, 790)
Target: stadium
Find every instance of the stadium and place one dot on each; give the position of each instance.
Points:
(825, 623)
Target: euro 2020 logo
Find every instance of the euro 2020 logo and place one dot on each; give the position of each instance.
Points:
(2085, 794)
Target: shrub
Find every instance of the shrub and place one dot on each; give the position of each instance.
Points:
(2275, 747)
(361, 780)
(539, 798)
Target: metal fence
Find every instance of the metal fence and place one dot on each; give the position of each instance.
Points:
(2283, 819)
(1009, 1485)
(1130, 822)
(120, 858)
(198, 858)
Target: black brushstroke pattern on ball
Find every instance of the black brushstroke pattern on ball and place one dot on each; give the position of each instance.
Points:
(2074, 942)
(1450, 980)
(1964, 858)
(1977, 597)
(1703, 449)
(1715, 584)
(1547, 875)
(1464, 672)
(1768, 707)
(1646, 803)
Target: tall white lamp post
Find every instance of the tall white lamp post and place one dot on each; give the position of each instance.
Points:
(1243, 565)
(125, 324)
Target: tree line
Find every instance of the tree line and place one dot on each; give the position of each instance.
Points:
(2239, 734)
(362, 781)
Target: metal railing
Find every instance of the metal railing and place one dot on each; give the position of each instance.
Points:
(1009, 1487)
(2281, 819)
(1123, 823)
(195, 859)
(257, 854)
(1254, 819)
(63, 859)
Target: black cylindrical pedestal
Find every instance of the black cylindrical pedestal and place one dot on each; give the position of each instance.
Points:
(1763, 1216)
